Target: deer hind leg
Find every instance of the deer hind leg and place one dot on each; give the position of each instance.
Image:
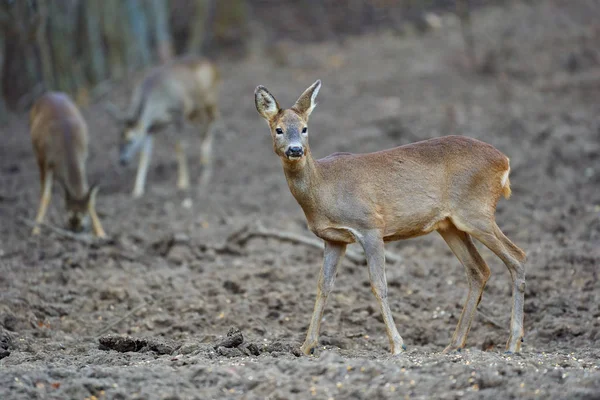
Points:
(373, 245)
(488, 233)
(46, 178)
(142, 172)
(206, 145)
(183, 175)
(332, 258)
(478, 273)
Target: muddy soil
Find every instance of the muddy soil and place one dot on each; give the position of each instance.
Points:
(146, 314)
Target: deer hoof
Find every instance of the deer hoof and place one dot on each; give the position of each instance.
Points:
(452, 349)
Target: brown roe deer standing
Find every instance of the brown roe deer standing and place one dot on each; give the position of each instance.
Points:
(449, 184)
(60, 141)
(185, 89)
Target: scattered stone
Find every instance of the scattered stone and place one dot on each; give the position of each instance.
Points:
(250, 349)
(181, 238)
(188, 348)
(229, 352)
(234, 339)
(233, 287)
(180, 254)
(277, 348)
(6, 343)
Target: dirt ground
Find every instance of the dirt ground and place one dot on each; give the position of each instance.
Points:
(140, 316)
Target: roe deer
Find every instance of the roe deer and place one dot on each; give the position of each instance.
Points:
(186, 89)
(60, 142)
(449, 184)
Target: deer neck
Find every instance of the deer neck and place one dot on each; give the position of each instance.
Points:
(75, 177)
(303, 178)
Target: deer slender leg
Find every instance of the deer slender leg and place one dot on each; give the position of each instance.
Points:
(514, 258)
(478, 273)
(332, 258)
(206, 147)
(46, 179)
(183, 175)
(96, 225)
(142, 172)
(373, 246)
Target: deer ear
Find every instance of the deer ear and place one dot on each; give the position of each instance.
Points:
(266, 105)
(306, 103)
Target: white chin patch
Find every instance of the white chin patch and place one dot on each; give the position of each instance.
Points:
(294, 158)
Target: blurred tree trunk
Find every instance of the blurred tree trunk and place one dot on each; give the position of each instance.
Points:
(159, 12)
(137, 40)
(20, 66)
(43, 45)
(3, 108)
(204, 11)
(114, 33)
(464, 14)
(93, 46)
(228, 25)
(63, 29)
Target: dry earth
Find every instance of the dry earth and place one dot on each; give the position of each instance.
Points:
(170, 270)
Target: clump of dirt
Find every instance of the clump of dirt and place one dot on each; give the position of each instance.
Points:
(124, 344)
(6, 343)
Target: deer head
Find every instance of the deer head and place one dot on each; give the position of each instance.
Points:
(79, 209)
(131, 136)
(289, 128)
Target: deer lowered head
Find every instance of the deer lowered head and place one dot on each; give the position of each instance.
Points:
(79, 208)
(132, 133)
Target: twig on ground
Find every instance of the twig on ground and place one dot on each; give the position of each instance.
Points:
(242, 236)
(490, 320)
(133, 311)
(123, 318)
(62, 232)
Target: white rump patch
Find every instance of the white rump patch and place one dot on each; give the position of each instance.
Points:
(505, 177)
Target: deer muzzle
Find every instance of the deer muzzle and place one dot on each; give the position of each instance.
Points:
(294, 152)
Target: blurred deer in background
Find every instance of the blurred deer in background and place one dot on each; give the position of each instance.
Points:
(186, 89)
(60, 141)
(449, 184)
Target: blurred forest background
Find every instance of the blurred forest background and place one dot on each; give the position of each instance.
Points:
(77, 46)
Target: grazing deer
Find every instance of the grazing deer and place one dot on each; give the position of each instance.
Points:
(60, 141)
(186, 89)
(449, 184)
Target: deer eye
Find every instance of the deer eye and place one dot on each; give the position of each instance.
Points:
(304, 129)
(279, 131)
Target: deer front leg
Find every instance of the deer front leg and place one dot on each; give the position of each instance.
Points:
(372, 243)
(47, 180)
(142, 172)
(96, 225)
(332, 258)
(183, 175)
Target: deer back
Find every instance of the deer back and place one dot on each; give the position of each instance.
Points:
(60, 139)
(184, 86)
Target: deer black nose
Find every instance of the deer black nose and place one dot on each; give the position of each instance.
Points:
(294, 151)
